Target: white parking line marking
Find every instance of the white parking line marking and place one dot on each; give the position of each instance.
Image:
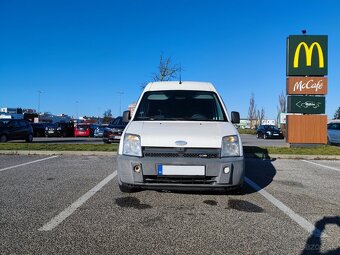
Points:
(289, 212)
(329, 167)
(24, 164)
(71, 209)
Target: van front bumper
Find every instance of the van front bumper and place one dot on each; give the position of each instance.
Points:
(216, 174)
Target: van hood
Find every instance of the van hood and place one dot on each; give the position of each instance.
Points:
(186, 133)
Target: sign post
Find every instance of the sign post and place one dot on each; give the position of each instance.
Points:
(307, 64)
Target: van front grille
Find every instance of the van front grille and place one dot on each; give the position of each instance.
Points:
(181, 152)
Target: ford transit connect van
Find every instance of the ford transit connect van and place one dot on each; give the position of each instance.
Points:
(180, 136)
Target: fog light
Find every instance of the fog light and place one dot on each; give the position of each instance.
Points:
(137, 168)
(226, 170)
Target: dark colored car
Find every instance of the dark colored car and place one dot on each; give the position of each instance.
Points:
(92, 129)
(39, 129)
(113, 132)
(59, 129)
(269, 131)
(15, 130)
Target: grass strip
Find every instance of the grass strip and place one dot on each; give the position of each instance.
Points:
(318, 150)
(247, 131)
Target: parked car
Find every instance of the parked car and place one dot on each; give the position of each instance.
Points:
(82, 129)
(59, 129)
(12, 129)
(269, 131)
(39, 129)
(99, 131)
(51, 130)
(333, 132)
(113, 132)
(92, 129)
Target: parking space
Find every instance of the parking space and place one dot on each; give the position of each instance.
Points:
(103, 220)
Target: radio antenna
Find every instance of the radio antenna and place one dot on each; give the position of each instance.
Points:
(180, 74)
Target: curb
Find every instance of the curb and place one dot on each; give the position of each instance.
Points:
(72, 153)
(113, 153)
(290, 156)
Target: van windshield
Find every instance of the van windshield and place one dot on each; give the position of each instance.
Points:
(176, 105)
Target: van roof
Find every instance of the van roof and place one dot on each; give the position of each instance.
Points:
(176, 85)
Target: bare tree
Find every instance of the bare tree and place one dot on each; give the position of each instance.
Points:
(337, 114)
(166, 70)
(282, 107)
(252, 111)
(107, 116)
(260, 116)
(282, 103)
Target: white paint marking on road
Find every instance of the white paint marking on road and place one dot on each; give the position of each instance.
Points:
(329, 167)
(24, 164)
(71, 209)
(289, 212)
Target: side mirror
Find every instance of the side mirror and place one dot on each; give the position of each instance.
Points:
(126, 116)
(235, 117)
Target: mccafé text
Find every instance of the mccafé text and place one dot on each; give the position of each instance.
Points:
(310, 84)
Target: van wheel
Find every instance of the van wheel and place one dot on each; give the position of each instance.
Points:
(3, 138)
(29, 138)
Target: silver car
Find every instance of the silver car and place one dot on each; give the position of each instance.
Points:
(333, 132)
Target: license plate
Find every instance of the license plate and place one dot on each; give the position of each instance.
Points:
(117, 137)
(275, 134)
(180, 170)
(50, 132)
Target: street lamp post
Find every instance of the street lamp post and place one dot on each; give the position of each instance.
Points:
(39, 93)
(120, 102)
(77, 109)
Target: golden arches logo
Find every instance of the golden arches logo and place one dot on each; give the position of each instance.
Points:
(309, 53)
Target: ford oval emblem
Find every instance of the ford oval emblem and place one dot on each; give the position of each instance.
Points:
(181, 143)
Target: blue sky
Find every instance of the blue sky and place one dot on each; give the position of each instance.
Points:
(81, 54)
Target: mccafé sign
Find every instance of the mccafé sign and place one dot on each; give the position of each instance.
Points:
(307, 55)
(306, 85)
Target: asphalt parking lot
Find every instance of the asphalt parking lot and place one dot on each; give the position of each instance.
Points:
(72, 205)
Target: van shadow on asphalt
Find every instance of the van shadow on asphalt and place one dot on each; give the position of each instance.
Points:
(258, 168)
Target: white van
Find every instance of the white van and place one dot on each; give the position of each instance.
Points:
(180, 136)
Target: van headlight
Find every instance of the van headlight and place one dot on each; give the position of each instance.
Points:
(230, 146)
(132, 145)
